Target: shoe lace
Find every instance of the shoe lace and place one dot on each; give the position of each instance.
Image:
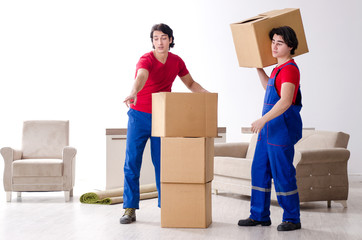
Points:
(129, 211)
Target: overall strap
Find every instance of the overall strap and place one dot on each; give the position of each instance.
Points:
(295, 65)
(298, 100)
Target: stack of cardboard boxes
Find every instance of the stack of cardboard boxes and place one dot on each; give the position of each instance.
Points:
(187, 124)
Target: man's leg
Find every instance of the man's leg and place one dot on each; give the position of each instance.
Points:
(261, 183)
(156, 160)
(281, 159)
(137, 137)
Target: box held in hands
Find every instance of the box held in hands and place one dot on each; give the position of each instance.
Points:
(251, 36)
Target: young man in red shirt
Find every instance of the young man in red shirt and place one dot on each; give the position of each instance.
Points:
(279, 129)
(155, 72)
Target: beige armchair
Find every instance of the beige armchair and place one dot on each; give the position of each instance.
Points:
(320, 160)
(45, 162)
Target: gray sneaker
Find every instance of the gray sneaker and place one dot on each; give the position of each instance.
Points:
(129, 216)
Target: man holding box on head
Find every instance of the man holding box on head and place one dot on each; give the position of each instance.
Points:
(155, 72)
(279, 130)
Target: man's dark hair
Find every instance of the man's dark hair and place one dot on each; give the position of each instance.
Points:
(165, 29)
(289, 37)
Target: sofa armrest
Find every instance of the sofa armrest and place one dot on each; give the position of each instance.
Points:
(321, 156)
(69, 154)
(238, 149)
(9, 156)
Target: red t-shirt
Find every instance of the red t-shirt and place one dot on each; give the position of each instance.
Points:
(160, 79)
(288, 74)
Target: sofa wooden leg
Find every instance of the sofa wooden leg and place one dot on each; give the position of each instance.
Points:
(19, 194)
(329, 204)
(344, 203)
(71, 193)
(67, 196)
(8, 196)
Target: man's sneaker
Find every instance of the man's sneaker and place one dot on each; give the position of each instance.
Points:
(129, 216)
(250, 222)
(289, 226)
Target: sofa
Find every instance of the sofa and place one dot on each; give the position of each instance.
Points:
(320, 160)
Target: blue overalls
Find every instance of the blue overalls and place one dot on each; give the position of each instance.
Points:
(273, 158)
(138, 132)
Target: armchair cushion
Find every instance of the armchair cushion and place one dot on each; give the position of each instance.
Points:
(38, 168)
(44, 139)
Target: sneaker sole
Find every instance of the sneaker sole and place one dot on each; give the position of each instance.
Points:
(263, 224)
(127, 221)
(281, 229)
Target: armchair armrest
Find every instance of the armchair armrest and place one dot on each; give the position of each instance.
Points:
(9, 156)
(321, 156)
(69, 154)
(238, 149)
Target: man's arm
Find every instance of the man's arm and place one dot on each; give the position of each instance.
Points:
(140, 81)
(191, 84)
(286, 99)
(263, 77)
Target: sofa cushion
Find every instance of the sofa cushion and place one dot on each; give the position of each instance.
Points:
(38, 167)
(322, 139)
(237, 150)
(233, 167)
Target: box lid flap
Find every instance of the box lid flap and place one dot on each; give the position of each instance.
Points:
(278, 12)
(252, 20)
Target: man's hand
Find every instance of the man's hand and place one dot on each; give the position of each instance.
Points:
(258, 125)
(131, 99)
(141, 78)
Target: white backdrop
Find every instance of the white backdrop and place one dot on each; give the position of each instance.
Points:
(76, 60)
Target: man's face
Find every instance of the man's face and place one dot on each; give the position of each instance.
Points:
(161, 42)
(279, 48)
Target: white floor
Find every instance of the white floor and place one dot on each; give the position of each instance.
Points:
(46, 216)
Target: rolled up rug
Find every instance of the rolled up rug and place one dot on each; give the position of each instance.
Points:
(115, 196)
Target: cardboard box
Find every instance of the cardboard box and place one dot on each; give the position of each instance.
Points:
(186, 205)
(184, 114)
(187, 160)
(251, 36)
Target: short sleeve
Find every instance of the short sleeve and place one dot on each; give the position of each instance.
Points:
(289, 74)
(182, 66)
(144, 62)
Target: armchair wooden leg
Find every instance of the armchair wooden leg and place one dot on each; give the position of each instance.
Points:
(71, 193)
(329, 204)
(19, 194)
(215, 191)
(67, 196)
(8, 196)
